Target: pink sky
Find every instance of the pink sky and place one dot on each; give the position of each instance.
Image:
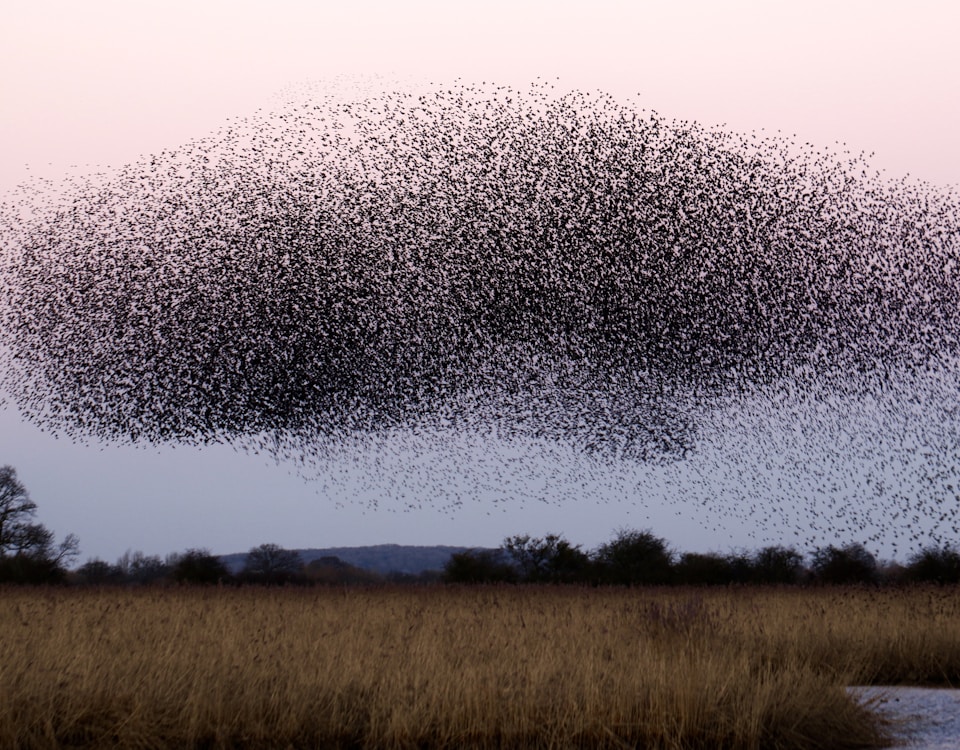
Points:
(104, 82)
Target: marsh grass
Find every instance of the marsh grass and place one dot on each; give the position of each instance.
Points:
(463, 667)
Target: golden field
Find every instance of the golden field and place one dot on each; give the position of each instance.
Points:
(445, 666)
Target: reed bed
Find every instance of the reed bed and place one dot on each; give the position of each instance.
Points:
(484, 667)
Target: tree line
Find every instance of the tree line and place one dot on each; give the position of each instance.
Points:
(640, 558)
(29, 554)
(630, 558)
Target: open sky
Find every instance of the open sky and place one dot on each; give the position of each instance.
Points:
(99, 84)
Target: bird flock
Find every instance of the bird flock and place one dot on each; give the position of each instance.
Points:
(534, 265)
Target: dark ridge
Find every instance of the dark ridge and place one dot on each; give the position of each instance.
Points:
(380, 558)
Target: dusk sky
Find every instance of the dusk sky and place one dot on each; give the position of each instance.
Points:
(96, 85)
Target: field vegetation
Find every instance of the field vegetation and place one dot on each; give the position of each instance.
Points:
(456, 666)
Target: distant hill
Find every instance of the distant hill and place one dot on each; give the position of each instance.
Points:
(382, 558)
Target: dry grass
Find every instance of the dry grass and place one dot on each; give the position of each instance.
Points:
(452, 667)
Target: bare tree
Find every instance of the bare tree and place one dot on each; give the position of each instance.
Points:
(271, 563)
(30, 544)
(15, 507)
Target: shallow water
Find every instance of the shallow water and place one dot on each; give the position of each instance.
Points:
(932, 715)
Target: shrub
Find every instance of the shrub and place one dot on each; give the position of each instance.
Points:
(934, 565)
(332, 570)
(634, 557)
(550, 559)
(99, 572)
(198, 566)
(479, 566)
(843, 565)
(776, 565)
(30, 569)
(705, 570)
